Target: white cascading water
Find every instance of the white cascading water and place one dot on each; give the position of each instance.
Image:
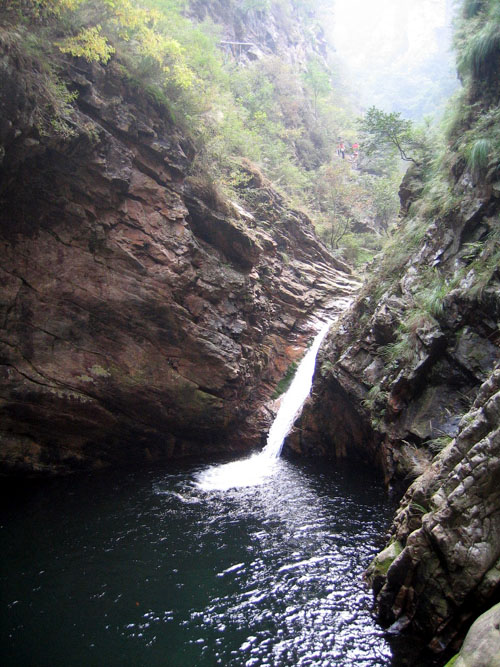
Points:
(294, 398)
(255, 469)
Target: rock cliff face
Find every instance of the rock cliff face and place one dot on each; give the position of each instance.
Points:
(482, 644)
(411, 368)
(249, 34)
(418, 389)
(449, 525)
(142, 317)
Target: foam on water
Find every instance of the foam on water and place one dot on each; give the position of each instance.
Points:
(256, 469)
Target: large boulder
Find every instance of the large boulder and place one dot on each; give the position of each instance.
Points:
(481, 647)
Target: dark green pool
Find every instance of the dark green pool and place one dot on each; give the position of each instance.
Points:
(145, 568)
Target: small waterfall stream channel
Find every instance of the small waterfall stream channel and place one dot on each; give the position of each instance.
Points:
(255, 563)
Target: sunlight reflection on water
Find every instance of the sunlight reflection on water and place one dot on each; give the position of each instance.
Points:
(148, 568)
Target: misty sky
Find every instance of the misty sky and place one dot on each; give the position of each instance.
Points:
(365, 27)
(388, 46)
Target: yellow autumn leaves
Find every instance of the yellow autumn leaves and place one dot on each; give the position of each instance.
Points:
(101, 25)
(89, 43)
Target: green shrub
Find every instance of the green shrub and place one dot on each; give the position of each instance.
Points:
(456, 116)
(481, 53)
(477, 41)
(486, 266)
(375, 398)
(402, 350)
(478, 155)
(472, 7)
(431, 297)
(285, 381)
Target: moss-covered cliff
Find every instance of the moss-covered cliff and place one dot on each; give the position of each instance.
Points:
(412, 369)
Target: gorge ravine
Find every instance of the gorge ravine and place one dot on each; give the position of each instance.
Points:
(142, 315)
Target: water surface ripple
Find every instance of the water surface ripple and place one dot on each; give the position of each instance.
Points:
(146, 568)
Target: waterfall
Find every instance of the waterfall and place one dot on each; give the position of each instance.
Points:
(294, 398)
(255, 469)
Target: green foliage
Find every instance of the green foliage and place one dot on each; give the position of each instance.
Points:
(473, 127)
(383, 190)
(257, 5)
(375, 399)
(429, 300)
(359, 249)
(42, 9)
(456, 115)
(478, 155)
(486, 266)
(283, 118)
(144, 33)
(437, 445)
(399, 248)
(478, 146)
(390, 130)
(471, 142)
(318, 79)
(418, 508)
(480, 55)
(345, 200)
(472, 7)
(432, 292)
(438, 196)
(477, 41)
(54, 110)
(401, 351)
(286, 381)
(89, 44)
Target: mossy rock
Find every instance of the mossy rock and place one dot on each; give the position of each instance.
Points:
(386, 558)
(380, 565)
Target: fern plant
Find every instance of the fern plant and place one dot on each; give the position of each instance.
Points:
(478, 40)
(478, 155)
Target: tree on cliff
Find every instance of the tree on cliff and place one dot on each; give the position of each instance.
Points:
(317, 79)
(389, 130)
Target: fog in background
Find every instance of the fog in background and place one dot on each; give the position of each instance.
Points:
(395, 54)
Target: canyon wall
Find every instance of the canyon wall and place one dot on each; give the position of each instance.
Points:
(395, 383)
(143, 314)
(408, 379)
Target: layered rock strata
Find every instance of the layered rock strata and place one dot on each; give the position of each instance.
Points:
(442, 567)
(409, 369)
(142, 315)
